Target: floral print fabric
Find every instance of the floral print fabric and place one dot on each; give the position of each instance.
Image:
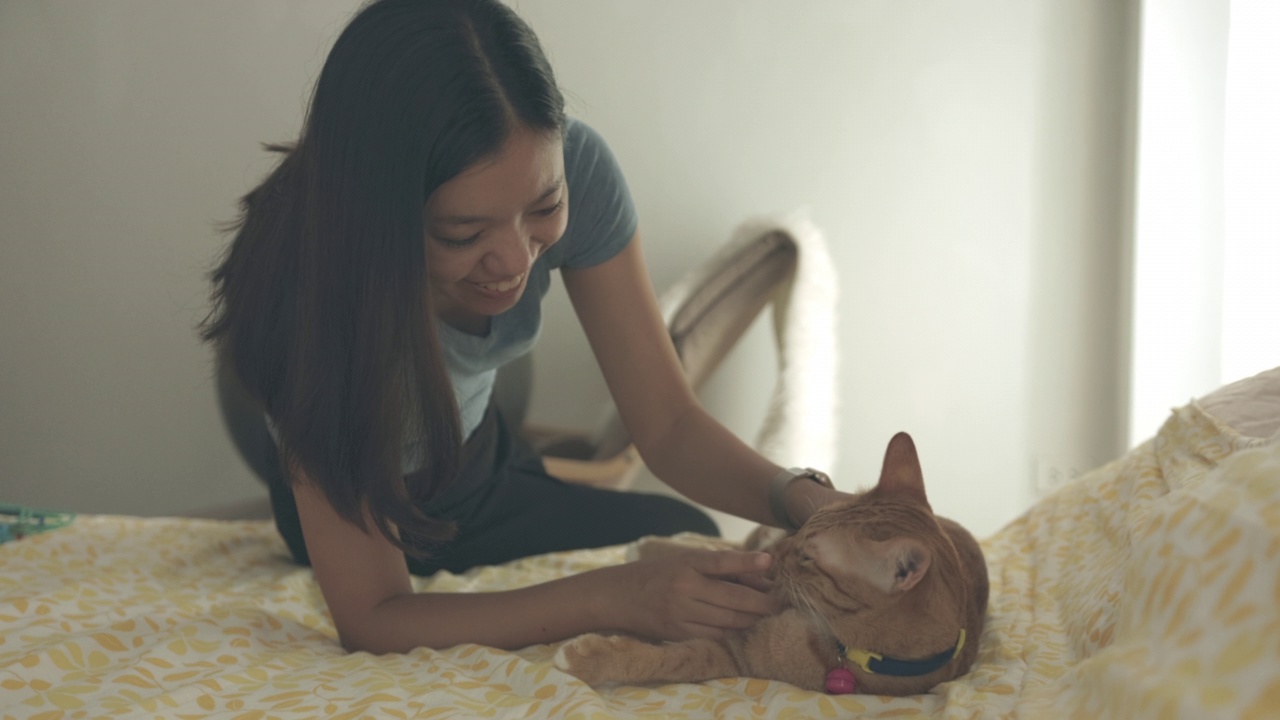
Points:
(1149, 588)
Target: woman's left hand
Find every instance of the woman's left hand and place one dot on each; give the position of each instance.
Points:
(686, 594)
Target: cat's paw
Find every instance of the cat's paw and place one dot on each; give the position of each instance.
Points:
(596, 659)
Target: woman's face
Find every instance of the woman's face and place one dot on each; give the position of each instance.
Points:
(487, 225)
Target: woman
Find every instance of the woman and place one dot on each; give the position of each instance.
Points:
(396, 256)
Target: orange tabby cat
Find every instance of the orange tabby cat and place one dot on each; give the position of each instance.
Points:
(878, 587)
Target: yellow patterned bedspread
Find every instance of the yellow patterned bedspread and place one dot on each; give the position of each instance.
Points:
(1148, 588)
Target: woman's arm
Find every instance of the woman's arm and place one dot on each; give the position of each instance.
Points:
(679, 441)
(366, 586)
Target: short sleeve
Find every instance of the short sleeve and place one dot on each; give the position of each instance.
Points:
(602, 215)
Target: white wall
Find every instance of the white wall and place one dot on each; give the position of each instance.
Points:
(966, 161)
(127, 132)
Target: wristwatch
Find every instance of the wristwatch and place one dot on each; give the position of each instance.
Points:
(778, 486)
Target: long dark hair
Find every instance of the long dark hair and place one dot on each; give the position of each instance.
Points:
(320, 306)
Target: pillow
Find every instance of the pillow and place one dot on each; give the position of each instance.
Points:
(1251, 406)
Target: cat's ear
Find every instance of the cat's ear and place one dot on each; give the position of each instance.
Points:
(905, 561)
(901, 473)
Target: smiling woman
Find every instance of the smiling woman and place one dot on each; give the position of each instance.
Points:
(394, 259)
(512, 206)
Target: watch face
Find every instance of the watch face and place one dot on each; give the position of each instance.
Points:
(821, 478)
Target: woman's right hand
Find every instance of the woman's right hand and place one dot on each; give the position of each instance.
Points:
(693, 593)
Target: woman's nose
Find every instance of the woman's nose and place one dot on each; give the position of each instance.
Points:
(512, 254)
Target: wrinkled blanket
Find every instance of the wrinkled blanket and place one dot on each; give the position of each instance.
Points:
(1147, 588)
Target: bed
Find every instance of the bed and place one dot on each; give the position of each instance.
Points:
(1149, 587)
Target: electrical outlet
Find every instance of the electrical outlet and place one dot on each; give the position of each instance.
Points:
(1052, 474)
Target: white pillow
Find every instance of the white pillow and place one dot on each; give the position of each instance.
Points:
(1251, 405)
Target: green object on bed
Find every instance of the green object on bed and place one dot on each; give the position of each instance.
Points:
(17, 522)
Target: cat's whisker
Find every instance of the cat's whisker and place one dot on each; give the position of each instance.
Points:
(812, 609)
(801, 600)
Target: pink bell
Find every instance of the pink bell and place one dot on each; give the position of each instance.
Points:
(841, 681)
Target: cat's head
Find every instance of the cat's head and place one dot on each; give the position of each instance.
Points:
(870, 552)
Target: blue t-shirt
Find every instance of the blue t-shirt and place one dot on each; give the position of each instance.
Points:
(602, 219)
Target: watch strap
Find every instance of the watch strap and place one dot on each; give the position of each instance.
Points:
(778, 487)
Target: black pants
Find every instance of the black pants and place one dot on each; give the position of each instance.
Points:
(507, 507)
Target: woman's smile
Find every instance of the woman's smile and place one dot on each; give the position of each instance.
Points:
(501, 289)
(502, 286)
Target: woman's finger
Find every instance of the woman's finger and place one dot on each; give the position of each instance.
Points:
(730, 562)
(755, 581)
(725, 618)
(741, 598)
(700, 630)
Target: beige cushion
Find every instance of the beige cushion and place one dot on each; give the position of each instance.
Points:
(1251, 406)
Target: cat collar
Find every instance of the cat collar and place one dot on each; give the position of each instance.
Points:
(877, 664)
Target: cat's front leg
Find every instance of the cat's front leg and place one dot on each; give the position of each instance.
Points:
(618, 659)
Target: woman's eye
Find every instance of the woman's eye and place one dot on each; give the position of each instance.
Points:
(549, 211)
(451, 243)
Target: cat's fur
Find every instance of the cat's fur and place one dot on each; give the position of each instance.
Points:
(880, 572)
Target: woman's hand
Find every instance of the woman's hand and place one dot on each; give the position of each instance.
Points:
(693, 593)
